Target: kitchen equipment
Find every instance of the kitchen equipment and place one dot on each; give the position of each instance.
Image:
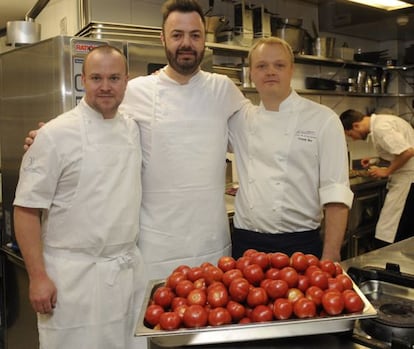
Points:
(361, 79)
(290, 30)
(247, 332)
(315, 83)
(261, 22)
(324, 46)
(371, 57)
(243, 24)
(27, 31)
(214, 24)
(391, 293)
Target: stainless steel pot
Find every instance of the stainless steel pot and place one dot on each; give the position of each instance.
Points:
(22, 32)
(289, 29)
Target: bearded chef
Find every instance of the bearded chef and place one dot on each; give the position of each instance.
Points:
(76, 216)
(393, 138)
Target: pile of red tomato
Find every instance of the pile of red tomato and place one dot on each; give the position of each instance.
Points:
(256, 287)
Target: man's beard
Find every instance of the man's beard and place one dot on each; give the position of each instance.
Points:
(185, 67)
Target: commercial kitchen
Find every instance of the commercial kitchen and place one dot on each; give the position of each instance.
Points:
(346, 56)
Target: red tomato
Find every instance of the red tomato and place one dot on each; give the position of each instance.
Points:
(180, 309)
(177, 301)
(299, 261)
(311, 269)
(245, 320)
(303, 283)
(304, 308)
(345, 281)
(226, 263)
(328, 266)
(219, 316)
(294, 294)
(264, 283)
(153, 313)
(320, 279)
(236, 310)
(253, 273)
(257, 296)
(272, 273)
(183, 288)
(174, 278)
(218, 296)
(183, 268)
(195, 273)
(352, 301)
(239, 289)
(290, 275)
(249, 252)
(195, 316)
(333, 302)
(200, 284)
(260, 258)
(197, 296)
(338, 269)
(163, 296)
(314, 293)
(312, 259)
(261, 313)
(169, 321)
(282, 309)
(277, 289)
(242, 262)
(230, 275)
(279, 260)
(335, 284)
(212, 273)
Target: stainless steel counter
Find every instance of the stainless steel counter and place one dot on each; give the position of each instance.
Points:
(401, 253)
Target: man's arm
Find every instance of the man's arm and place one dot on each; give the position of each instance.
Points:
(42, 290)
(336, 219)
(398, 162)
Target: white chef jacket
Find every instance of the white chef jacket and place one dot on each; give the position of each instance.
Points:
(392, 135)
(290, 163)
(79, 170)
(184, 141)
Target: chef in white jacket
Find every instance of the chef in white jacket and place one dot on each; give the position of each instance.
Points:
(182, 113)
(76, 216)
(393, 138)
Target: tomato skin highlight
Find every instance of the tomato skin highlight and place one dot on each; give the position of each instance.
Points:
(262, 313)
(257, 296)
(282, 309)
(195, 316)
(304, 308)
(253, 273)
(237, 310)
(279, 260)
(333, 302)
(169, 321)
(153, 313)
(219, 316)
(163, 296)
(298, 261)
(353, 303)
(239, 289)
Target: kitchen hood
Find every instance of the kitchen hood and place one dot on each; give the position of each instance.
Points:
(351, 19)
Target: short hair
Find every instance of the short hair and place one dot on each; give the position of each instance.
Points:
(348, 117)
(184, 6)
(105, 48)
(272, 40)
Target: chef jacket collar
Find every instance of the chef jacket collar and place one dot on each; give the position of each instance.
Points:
(163, 76)
(287, 104)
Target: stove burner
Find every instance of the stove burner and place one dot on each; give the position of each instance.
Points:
(396, 314)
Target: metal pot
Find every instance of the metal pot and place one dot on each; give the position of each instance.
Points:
(289, 29)
(22, 32)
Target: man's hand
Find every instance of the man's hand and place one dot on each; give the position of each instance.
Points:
(43, 295)
(378, 172)
(28, 141)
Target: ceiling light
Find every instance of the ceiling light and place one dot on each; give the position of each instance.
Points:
(388, 5)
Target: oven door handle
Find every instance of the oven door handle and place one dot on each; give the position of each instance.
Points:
(393, 276)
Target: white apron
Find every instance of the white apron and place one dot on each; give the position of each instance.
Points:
(183, 215)
(98, 276)
(398, 188)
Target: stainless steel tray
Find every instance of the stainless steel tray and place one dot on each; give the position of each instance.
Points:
(248, 332)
